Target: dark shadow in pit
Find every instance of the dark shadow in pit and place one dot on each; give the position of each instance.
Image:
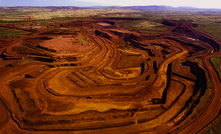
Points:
(200, 85)
(169, 73)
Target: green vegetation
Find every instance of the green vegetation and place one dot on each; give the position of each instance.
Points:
(26, 50)
(199, 63)
(59, 19)
(205, 98)
(152, 18)
(204, 101)
(11, 33)
(208, 18)
(144, 25)
(12, 21)
(215, 126)
(155, 32)
(210, 84)
(212, 28)
(55, 13)
(216, 63)
(197, 56)
(216, 60)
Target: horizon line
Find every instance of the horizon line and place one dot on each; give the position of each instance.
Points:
(120, 6)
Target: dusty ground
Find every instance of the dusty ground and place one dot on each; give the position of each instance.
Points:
(84, 83)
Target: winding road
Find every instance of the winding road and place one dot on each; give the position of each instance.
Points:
(106, 55)
(214, 108)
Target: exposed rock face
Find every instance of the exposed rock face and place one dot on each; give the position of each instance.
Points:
(90, 84)
(103, 34)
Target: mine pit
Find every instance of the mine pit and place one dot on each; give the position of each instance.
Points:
(93, 75)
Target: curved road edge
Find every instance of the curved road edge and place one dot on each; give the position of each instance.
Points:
(214, 108)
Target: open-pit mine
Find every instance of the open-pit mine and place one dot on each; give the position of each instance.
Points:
(95, 76)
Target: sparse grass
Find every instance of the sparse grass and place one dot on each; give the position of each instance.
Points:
(216, 60)
(197, 56)
(121, 15)
(11, 33)
(59, 19)
(144, 25)
(210, 84)
(53, 14)
(192, 58)
(216, 63)
(199, 63)
(82, 38)
(204, 101)
(205, 98)
(155, 32)
(12, 21)
(212, 29)
(157, 28)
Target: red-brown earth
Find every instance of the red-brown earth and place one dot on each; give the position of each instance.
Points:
(104, 79)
